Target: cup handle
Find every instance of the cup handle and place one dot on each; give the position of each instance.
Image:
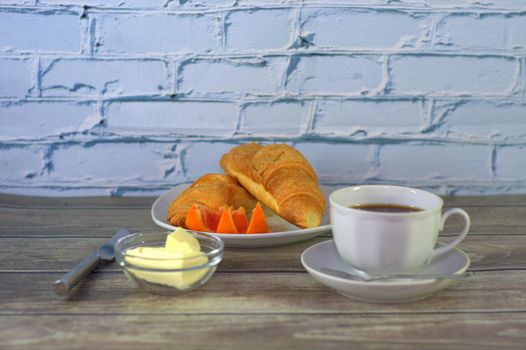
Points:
(461, 235)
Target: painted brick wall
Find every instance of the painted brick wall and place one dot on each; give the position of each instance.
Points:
(127, 97)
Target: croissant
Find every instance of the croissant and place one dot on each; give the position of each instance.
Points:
(212, 191)
(281, 178)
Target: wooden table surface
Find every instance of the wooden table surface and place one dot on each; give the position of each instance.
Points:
(258, 298)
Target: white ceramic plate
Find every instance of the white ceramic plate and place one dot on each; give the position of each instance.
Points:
(281, 233)
(324, 254)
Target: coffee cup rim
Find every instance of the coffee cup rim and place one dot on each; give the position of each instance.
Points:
(424, 211)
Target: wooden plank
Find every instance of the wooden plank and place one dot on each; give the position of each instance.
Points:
(427, 332)
(99, 222)
(73, 222)
(60, 254)
(242, 293)
(34, 202)
(273, 297)
(486, 201)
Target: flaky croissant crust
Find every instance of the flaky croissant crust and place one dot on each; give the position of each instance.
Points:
(281, 178)
(212, 191)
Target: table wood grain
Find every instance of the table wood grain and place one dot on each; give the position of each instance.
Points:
(258, 298)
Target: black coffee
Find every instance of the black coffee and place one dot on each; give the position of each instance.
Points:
(387, 208)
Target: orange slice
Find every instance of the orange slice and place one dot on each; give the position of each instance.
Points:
(240, 220)
(226, 223)
(194, 220)
(258, 222)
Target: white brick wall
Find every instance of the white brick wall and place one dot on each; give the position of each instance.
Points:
(279, 118)
(453, 75)
(335, 74)
(258, 29)
(94, 77)
(24, 120)
(32, 32)
(431, 162)
(369, 117)
(15, 77)
(124, 97)
(492, 31)
(236, 75)
(156, 33)
(362, 29)
(217, 119)
(109, 162)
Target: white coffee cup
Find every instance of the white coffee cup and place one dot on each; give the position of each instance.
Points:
(389, 242)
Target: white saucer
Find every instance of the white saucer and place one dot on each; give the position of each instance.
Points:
(324, 254)
(281, 232)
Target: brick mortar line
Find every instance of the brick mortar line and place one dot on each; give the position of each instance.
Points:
(522, 76)
(229, 98)
(416, 138)
(517, 99)
(75, 9)
(270, 53)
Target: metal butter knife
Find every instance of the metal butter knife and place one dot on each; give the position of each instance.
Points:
(105, 252)
(370, 278)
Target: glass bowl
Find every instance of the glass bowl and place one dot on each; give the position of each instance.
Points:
(168, 275)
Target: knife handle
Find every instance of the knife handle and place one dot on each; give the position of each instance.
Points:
(69, 280)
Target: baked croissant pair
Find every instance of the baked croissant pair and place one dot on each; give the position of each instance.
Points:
(276, 175)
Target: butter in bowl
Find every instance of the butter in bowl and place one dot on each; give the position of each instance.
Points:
(169, 262)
